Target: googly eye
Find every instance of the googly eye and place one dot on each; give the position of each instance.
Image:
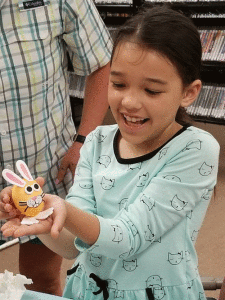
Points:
(29, 189)
(36, 187)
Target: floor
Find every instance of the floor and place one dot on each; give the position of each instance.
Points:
(210, 244)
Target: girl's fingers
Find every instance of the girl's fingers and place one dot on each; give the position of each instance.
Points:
(57, 226)
(14, 228)
(6, 194)
(8, 207)
(34, 229)
(9, 228)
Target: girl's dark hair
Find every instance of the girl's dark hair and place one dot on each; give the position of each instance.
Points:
(173, 35)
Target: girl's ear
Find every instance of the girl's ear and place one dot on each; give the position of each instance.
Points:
(191, 93)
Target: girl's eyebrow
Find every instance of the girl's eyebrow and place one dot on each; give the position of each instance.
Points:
(116, 73)
(152, 80)
(156, 80)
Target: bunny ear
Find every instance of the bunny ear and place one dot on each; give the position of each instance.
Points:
(23, 169)
(11, 177)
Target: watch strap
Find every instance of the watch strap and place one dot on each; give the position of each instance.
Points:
(79, 138)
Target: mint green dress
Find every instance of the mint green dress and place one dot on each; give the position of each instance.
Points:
(150, 210)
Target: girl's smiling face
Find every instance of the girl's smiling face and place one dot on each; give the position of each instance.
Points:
(145, 92)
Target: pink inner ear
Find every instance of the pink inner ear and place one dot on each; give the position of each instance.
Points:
(25, 171)
(15, 179)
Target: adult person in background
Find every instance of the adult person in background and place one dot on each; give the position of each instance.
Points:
(35, 116)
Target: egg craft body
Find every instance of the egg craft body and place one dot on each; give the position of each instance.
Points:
(27, 195)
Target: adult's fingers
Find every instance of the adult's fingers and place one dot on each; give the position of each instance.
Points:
(62, 171)
(40, 181)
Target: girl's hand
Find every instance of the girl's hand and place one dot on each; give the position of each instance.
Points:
(53, 224)
(7, 207)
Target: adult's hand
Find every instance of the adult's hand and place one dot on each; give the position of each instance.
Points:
(69, 161)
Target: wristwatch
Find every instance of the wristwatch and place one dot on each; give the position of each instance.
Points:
(79, 138)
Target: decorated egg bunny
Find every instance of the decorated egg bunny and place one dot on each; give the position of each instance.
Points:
(27, 194)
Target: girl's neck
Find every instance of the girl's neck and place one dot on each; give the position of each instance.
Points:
(128, 150)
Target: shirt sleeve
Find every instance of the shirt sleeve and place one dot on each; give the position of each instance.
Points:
(179, 187)
(87, 38)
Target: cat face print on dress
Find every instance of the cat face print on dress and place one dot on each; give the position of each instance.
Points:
(207, 194)
(130, 265)
(99, 137)
(172, 178)
(194, 235)
(107, 184)
(189, 214)
(153, 280)
(158, 292)
(155, 283)
(132, 227)
(86, 186)
(190, 284)
(148, 202)
(195, 144)
(143, 180)
(205, 169)
(104, 160)
(163, 152)
(126, 254)
(135, 166)
(96, 260)
(123, 204)
(177, 203)
(149, 236)
(91, 286)
(175, 259)
(187, 255)
(118, 234)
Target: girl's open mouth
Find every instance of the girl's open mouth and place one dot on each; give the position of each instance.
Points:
(133, 121)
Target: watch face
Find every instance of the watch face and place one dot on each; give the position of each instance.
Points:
(79, 138)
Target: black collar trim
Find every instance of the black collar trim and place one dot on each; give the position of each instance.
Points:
(145, 156)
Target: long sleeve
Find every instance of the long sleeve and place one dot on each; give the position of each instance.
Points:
(174, 185)
(87, 38)
(185, 183)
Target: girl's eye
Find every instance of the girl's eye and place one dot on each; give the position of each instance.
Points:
(28, 189)
(150, 92)
(118, 85)
(36, 187)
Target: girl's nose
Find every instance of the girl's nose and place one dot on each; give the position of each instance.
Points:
(131, 102)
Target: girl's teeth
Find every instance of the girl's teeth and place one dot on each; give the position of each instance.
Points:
(134, 120)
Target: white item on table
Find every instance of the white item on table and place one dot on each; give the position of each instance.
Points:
(12, 286)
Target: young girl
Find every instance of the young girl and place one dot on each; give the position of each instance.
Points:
(142, 186)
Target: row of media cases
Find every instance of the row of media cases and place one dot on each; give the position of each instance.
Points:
(148, 1)
(213, 44)
(210, 103)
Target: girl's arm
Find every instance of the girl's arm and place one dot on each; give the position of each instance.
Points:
(81, 224)
(63, 245)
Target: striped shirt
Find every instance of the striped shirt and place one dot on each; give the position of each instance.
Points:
(35, 116)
